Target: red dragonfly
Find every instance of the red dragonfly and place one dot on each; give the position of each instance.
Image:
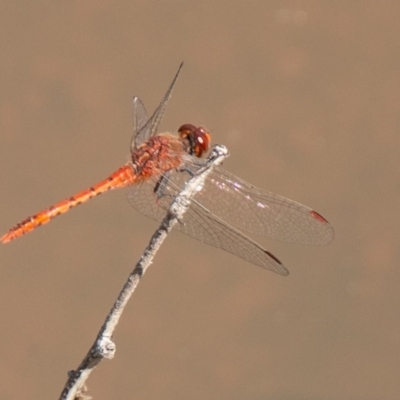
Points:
(224, 207)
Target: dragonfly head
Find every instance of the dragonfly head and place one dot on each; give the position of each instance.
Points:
(198, 139)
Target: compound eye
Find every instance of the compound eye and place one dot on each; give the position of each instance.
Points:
(202, 140)
(198, 139)
(186, 130)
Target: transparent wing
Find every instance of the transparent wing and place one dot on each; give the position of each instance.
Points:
(151, 126)
(139, 121)
(260, 212)
(200, 224)
(250, 209)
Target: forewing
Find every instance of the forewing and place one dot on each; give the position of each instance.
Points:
(139, 121)
(151, 126)
(260, 212)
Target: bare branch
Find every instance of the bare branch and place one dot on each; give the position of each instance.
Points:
(104, 347)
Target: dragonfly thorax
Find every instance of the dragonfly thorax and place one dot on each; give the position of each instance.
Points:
(161, 153)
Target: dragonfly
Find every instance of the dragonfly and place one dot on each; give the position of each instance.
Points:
(221, 211)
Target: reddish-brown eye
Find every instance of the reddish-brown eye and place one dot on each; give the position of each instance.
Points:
(198, 139)
(186, 130)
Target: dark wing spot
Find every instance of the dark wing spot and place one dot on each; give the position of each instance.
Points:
(273, 257)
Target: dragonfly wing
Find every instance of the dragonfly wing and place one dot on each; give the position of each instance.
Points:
(139, 121)
(200, 224)
(143, 198)
(206, 227)
(260, 212)
(151, 126)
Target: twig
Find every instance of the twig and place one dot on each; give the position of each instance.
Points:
(104, 347)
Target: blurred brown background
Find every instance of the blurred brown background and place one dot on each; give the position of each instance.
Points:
(306, 96)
